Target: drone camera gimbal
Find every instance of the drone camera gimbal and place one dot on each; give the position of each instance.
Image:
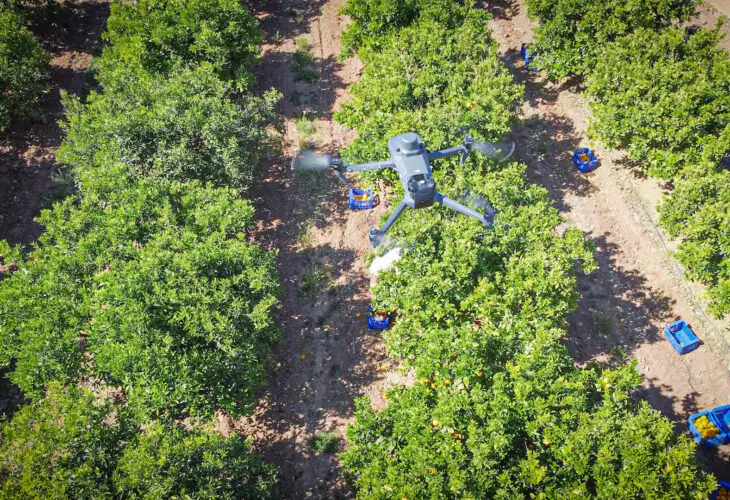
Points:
(412, 162)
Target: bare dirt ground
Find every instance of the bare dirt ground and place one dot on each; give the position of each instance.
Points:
(328, 357)
(68, 31)
(638, 287)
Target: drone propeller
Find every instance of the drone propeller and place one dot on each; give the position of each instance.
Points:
(478, 203)
(498, 151)
(307, 160)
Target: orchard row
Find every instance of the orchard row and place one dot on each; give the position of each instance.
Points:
(143, 309)
(661, 92)
(498, 408)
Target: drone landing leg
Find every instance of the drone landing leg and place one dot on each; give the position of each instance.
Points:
(455, 205)
(376, 235)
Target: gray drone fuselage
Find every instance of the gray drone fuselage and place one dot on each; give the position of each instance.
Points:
(410, 158)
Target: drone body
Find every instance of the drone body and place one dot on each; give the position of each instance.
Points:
(412, 161)
(410, 158)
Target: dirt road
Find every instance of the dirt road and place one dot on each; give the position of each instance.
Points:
(638, 287)
(328, 356)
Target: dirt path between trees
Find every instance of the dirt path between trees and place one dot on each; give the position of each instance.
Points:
(327, 357)
(68, 31)
(638, 287)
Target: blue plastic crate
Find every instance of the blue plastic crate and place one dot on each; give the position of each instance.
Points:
(722, 415)
(374, 324)
(718, 440)
(583, 164)
(723, 484)
(681, 337)
(525, 51)
(361, 199)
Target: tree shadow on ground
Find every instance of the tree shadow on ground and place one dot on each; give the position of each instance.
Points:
(639, 171)
(337, 347)
(501, 9)
(313, 98)
(305, 217)
(657, 395)
(283, 20)
(617, 309)
(68, 26)
(546, 145)
(320, 323)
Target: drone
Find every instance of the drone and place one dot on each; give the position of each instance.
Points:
(412, 161)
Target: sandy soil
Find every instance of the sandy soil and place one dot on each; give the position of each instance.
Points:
(638, 288)
(68, 32)
(328, 357)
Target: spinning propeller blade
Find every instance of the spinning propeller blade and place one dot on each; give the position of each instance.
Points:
(308, 160)
(478, 203)
(499, 151)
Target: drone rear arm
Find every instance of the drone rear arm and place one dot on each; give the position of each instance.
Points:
(445, 153)
(455, 205)
(376, 235)
(378, 165)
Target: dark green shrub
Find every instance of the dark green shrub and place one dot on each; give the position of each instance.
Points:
(374, 20)
(23, 69)
(64, 445)
(183, 128)
(697, 211)
(325, 442)
(157, 282)
(170, 462)
(161, 34)
(667, 105)
(572, 34)
(73, 444)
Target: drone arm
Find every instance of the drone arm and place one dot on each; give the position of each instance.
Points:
(391, 220)
(454, 205)
(378, 165)
(376, 235)
(445, 153)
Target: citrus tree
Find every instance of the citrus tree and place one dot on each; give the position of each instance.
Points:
(23, 69)
(667, 108)
(572, 34)
(154, 282)
(143, 309)
(160, 34)
(184, 127)
(73, 443)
